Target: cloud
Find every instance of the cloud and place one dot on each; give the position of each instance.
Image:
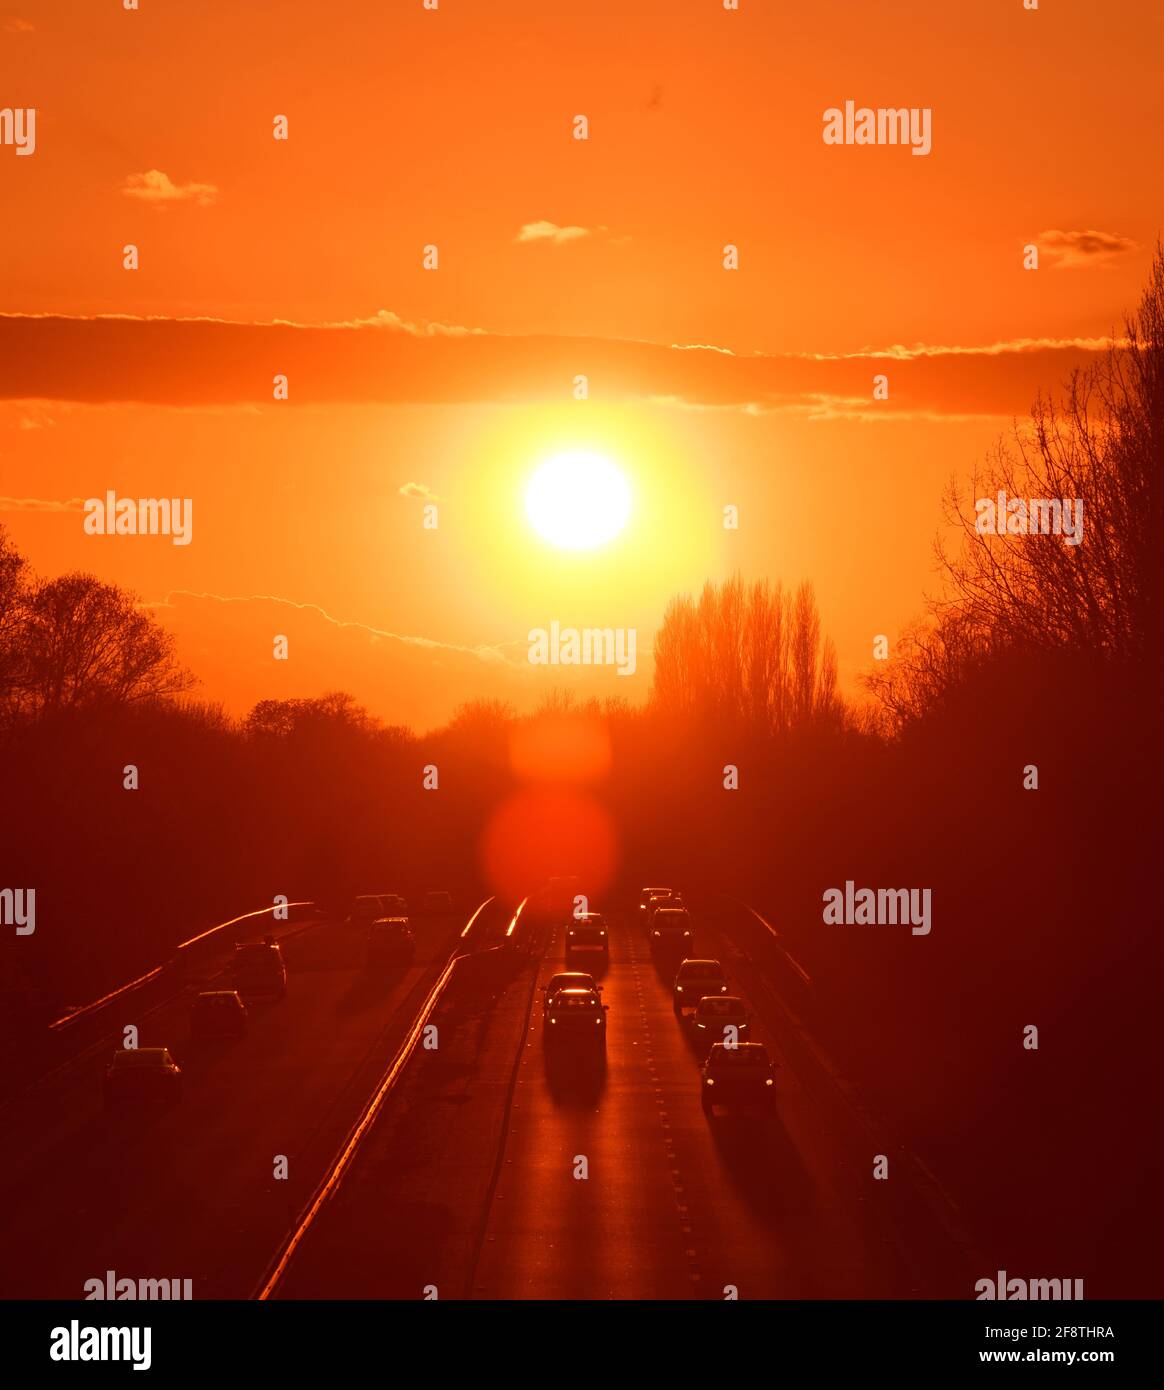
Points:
(550, 231)
(385, 318)
(155, 187)
(491, 655)
(426, 494)
(209, 362)
(1069, 250)
(16, 25)
(40, 504)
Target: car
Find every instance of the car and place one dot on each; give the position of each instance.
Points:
(142, 1075)
(392, 905)
(715, 1014)
(258, 968)
(391, 942)
(567, 979)
(365, 909)
(693, 980)
(669, 929)
(218, 1013)
(737, 1076)
(646, 894)
(586, 938)
(576, 1016)
(437, 901)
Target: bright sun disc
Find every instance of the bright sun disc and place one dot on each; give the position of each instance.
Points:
(578, 500)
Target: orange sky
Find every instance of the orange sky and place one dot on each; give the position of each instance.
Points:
(453, 127)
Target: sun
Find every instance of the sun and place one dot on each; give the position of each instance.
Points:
(578, 500)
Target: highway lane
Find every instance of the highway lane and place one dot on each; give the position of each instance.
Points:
(191, 1192)
(777, 1206)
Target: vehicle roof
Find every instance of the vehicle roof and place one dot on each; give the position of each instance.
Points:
(756, 1052)
(720, 1000)
(254, 947)
(700, 963)
(139, 1056)
(672, 912)
(575, 992)
(217, 994)
(391, 922)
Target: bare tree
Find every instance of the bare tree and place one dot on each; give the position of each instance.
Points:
(746, 656)
(84, 644)
(1104, 445)
(1026, 594)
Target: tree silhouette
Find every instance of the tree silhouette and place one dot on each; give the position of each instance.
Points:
(1021, 595)
(81, 644)
(747, 655)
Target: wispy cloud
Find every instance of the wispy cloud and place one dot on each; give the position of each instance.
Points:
(1070, 250)
(550, 231)
(40, 504)
(15, 25)
(420, 490)
(491, 655)
(155, 187)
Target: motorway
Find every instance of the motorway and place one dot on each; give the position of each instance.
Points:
(190, 1192)
(465, 1184)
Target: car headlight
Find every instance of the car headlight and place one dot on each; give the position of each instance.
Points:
(598, 1021)
(553, 1020)
(656, 933)
(769, 1082)
(686, 933)
(601, 933)
(708, 1081)
(678, 989)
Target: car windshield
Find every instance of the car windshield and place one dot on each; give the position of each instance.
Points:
(586, 933)
(755, 1056)
(568, 999)
(701, 970)
(720, 1007)
(671, 917)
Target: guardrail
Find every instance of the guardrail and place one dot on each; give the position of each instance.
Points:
(183, 953)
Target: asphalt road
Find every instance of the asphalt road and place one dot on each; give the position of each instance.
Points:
(754, 1205)
(190, 1192)
(469, 1182)
(467, 1185)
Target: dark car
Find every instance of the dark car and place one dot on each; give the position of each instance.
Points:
(586, 939)
(365, 909)
(715, 1014)
(218, 1013)
(258, 969)
(669, 930)
(693, 980)
(143, 1076)
(649, 895)
(391, 942)
(567, 979)
(577, 1017)
(737, 1076)
(392, 905)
